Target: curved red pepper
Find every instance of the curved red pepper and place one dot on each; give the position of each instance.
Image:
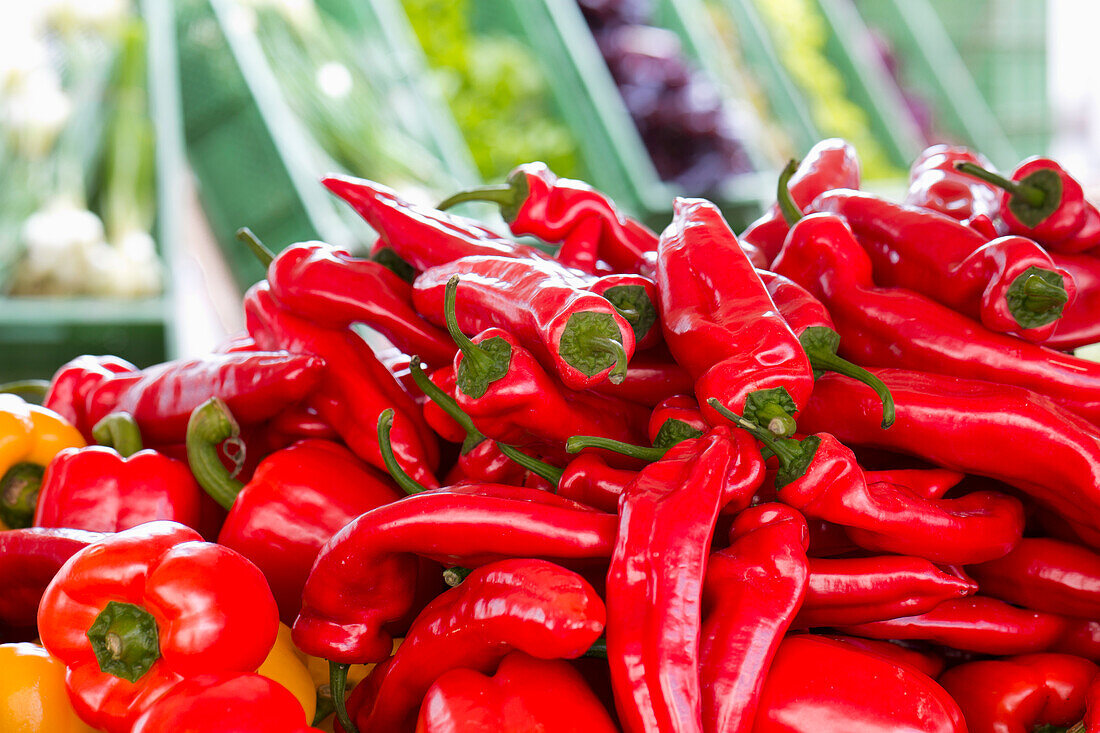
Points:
(74, 383)
(343, 611)
(825, 686)
(1045, 575)
(896, 327)
(243, 703)
(654, 583)
(674, 419)
(589, 480)
(649, 380)
(859, 590)
(721, 324)
(829, 164)
(130, 614)
(926, 662)
(529, 605)
(928, 483)
(935, 184)
(753, 590)
(525, 694)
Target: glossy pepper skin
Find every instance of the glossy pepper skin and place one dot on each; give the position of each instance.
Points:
(525, 694)
(649, 380)
(30, 437)
(297, 499)
(29, 559)
(174, 606)
(856, 590)
(926, 662)
(976, 624)
(752, 592)
(589, 480)
(532, 606)
(655, 579)
(1078, 326)
(243, 703)
(674, 419)
(888, 327)
(1019, 694)
(829, 164)
(343, 612)
(355, 388)
(32, 692)
(1009, 284)
(935, 184)
(1046, 575)
(577, 334)
(818, 685)
(332, 288)
(955, 423)
(535, 202)
(74, 383)
(721, 324)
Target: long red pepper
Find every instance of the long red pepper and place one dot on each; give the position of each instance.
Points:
(649, 380)
(858, 590)
(722, 326)
(1045, 575)
(897, 327)
(1009, 284)
(826, 686)
(829, 164)
(929, 663)
(355, 389)
(674, 419)
(76, 380)
(655, 579)
(1079, 325)
(575, 333)
(528, 605)
(957, 423)
(935, 184)
(976, 624)
(589, 480)
(535, 202)
(752, 591)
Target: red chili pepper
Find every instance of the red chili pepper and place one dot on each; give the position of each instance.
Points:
(518, 604)
(675, 419)
(654, 583)
(896, 327)
(243, 703)
(752, 591)
(133, 613)
(75, 382)
(649, 380)
(355, 387)
(976, 624)
(1045, 575)
(722, 326)
(635, 298)
(297, 499)
(104, 489)
(826, 686)
(1079, 325)
(856, 590)
(1021, 693)
(926, 662)
(935, 184)
(589, 480)
(535, 202)
(958, 424)
(830, 164)
(1043, 202)
(928, 483)
(525, 694)
(1009, 284)
(29, 559)
(364, 576)
(327, 285)
(575, 333)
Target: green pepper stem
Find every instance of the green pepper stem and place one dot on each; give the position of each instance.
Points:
(125, 640)
(579, 442)
(1040, 295)
(35, 387)
(120, 431)
(407, 483)
(777, 419)
(454, 576)
(1031, 194)
(19, 489)
(615, 348)
(338, 682)
(787, 206)
(534, 465)
(263, 254)
(210, 424)
(783, 453)
(502, 194)
(482, 361)
(445, 403)
(828, 361)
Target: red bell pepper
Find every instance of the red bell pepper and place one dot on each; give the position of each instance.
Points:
(722, 326)
(655, 580)
(525, 694)
(243, 703)
(132, 614)
(818, 685)
(752, 591)
(528, 605)
(1045, 575)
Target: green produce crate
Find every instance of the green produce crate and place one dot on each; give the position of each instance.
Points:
(38, 335)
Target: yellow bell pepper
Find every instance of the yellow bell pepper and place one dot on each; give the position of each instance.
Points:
(32, 693)
(30, 436)
(286, 665)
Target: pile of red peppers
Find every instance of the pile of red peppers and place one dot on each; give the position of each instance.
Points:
(838, 473)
